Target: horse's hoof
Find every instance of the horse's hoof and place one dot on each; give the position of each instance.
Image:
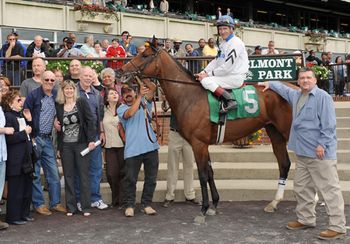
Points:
(270, 209)
(200, 219)
(211, 212)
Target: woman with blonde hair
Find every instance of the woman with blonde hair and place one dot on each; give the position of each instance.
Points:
(75, 131)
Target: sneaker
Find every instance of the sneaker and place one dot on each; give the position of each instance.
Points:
(167, 203)
(59, 208)
(43, 210)
(129, 212)
(149, 211)
(79, 207)
(3, 225)
(99, 204)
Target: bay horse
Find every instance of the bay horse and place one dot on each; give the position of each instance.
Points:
(189, 103)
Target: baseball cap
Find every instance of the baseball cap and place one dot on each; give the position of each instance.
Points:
(46, 39)
(258, 47)
(126, 88)
(69, 40)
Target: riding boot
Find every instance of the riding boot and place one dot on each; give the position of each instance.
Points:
(226, 96)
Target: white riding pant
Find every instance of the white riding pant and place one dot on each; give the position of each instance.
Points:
(227, 82)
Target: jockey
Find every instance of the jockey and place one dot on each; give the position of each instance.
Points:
(228, 70)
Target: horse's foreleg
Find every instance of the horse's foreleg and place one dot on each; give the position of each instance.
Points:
(201, 155)
(214, 192)
(279, 144)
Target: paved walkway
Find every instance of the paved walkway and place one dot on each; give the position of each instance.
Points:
(236, 222)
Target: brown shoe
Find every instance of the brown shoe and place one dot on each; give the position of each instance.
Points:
(296, 225)
(330, 235)
(129, 212)
(149, 211)
(3, 225)
(43, 210)
(59, 208)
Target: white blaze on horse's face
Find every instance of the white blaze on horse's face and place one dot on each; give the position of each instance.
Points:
(307, 81)
(225, 31)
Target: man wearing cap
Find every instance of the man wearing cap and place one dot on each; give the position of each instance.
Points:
(178, 52)
(141, 146)
(228, 70)
(257, 50)
(68, 50)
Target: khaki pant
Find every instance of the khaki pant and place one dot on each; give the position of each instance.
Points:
(312, 175)
(179, 146)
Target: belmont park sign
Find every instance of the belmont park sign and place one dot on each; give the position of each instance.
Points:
(262, 68)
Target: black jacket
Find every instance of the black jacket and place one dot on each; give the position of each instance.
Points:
(17, 145)
(30, 51)
(87, 128)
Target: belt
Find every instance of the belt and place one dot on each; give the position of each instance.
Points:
(44, 135)
(175, 130)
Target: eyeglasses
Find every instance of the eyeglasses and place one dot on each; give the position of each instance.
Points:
(47, 80)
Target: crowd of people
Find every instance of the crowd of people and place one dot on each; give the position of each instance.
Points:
(74, 117)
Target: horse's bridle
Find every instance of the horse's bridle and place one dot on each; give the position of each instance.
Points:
(149, 59)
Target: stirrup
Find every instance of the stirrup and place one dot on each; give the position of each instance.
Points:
(226, 109)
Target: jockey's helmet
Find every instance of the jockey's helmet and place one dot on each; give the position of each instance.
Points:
(225, 20)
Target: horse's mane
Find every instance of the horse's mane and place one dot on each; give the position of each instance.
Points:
(189, 73)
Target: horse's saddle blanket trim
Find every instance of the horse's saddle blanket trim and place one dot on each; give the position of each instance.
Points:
(247, 101)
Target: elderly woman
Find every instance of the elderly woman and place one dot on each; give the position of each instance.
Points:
(76, 131)
(19, 167)
(109, 82)
(114, 147)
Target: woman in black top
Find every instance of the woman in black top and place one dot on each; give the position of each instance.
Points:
(19, 166)
(75, 131)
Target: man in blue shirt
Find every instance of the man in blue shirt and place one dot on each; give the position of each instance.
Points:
(313, 139)
(41, 104)
(141, 146)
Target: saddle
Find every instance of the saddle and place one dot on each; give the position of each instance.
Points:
(247, 105)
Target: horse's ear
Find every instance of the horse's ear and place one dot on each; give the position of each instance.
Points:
(154, 42)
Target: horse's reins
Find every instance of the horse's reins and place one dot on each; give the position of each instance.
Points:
(138, 75)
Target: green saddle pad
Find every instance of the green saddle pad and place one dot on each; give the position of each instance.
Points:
(247, 101)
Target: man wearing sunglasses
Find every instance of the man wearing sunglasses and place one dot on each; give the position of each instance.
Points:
(228, 70)
(41, 103)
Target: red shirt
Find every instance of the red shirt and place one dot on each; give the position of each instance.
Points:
(113, 52)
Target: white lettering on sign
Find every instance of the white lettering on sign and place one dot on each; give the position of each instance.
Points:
(270, 63)
(274, 74)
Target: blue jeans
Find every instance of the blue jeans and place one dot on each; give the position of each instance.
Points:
(2, 176)
(95, 172)
(48, 162)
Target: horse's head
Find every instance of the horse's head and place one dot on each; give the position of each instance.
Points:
(144, 65)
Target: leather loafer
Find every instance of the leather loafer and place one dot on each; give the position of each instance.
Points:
(149, 211)
(18, 222)
(296, 225)
(330, 235)
(129, 212)
(43, 210)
